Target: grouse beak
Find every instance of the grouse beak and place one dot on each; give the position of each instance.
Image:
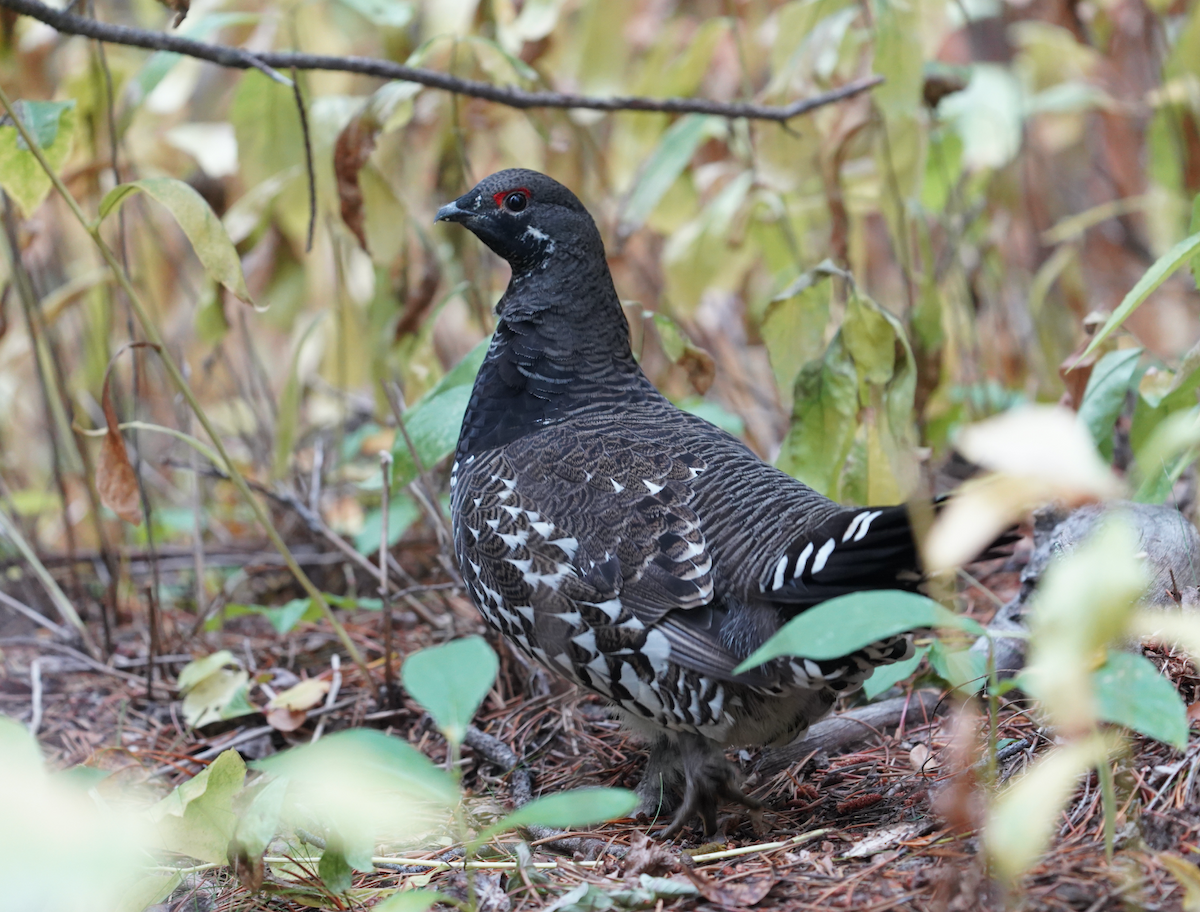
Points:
(451, 212)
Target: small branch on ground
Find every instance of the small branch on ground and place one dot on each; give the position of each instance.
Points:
(273, 61)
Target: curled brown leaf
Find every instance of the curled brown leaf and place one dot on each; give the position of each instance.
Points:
(351, 151)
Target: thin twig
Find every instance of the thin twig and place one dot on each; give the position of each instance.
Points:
(335, 662)
(389, 677)
(21, 608)
(308, 161)
(512, 97)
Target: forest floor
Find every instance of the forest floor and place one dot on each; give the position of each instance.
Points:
(889, 824)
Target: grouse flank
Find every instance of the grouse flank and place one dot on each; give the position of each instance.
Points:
(634, 548)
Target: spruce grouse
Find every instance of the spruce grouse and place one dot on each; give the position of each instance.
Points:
(630, 546)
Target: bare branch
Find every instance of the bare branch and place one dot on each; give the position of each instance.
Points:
(273, 61)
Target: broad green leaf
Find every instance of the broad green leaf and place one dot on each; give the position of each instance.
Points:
(220, 695)
(401, 515)
(409, 901)
(1130, 691)
(1023, 819)
(283, 618)
(258, 824)
(847, 623)
(333, 869)
(965, 670)
(793, 329)
(1163, 267)
(52, 124)
(887, 675)
(148, 891)
(664, 166)
(1105, 395)
(199, 223)
(566, 810)
(197, 670)
(48, 818)
(197, 819)
(824, 420)
(450, 681)
(434, 422)
(371, 786)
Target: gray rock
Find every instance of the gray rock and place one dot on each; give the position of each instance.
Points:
(1170, 543)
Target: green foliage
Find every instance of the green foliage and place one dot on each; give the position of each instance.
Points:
(450, 681)
(214, 688)
(1131, 692)
(1179, 255)
(857, 397)
(197, 819)
(53, 126)
(842, 625)
(199, 223)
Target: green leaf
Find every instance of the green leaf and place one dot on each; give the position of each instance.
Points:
(567, 810)
(1130, 691)
(793, 329)
(450, 681)
(409, 901)
(199, 223)
(259, 823)
(370, 758)
(1105, 395)
(824, 420)
(965, 670)
(664, 166)
(434, 422)
(197, 670)
(1194, 228)
(197, 818)
(1162, 269)
(401, 515)
(333, 869)
(887, 675)
(847, 623)
(212, 691)
(53, 126)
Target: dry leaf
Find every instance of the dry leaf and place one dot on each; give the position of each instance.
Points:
(646, 856)
(734, 893)
(288, 710)
(116, 481)
(354, 146)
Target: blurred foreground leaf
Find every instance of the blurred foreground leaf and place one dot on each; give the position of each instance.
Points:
(197, 819)
(566, 810)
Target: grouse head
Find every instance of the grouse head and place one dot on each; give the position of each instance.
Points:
(529, 219)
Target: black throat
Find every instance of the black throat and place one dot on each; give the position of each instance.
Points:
(561, 349)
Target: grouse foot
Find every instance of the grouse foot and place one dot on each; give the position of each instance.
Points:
(688, 774)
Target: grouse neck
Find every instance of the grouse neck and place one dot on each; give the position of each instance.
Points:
(560, 350)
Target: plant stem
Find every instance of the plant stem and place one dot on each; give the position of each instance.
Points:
(152, 333)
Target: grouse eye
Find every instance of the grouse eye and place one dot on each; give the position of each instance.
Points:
(515, 201)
